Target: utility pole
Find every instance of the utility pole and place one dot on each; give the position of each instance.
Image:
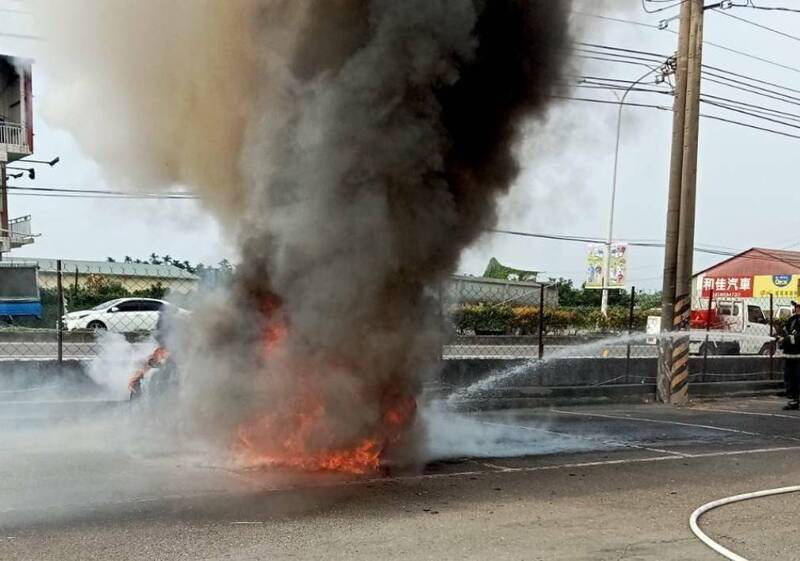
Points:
(3, 203)
(673, 364)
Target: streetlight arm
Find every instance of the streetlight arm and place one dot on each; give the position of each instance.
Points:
(610, 239)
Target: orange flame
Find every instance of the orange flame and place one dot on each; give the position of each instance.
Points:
(299, 435)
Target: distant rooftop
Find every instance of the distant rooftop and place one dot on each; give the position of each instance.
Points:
(107, 268)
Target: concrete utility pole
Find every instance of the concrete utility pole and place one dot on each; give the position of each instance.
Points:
(3, 202)
(673, 367)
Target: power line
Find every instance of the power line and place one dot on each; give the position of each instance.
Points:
(619, 57)
(622, 56)
(606, 59)
(55, 191)
(663, 108)
(756, 127)
(618, 20)
(709, 43)
(20, 36)
(764, 82)
(699, 248)
(754, 90)
(751, 56)
(611, 102)
(753, 107)
(606, 87)
(620, 49)
(751, 4)
(755, 24)
(675, 5)
(749, 109)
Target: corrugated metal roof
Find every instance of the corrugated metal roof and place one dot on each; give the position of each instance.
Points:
(107, 268)
(757, 261)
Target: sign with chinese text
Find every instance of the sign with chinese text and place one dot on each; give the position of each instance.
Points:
(780, 286)
(596, 262)
(728, 287)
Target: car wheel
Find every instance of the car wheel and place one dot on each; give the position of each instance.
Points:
(96, 326)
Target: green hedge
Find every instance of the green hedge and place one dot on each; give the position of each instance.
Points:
(509, 320)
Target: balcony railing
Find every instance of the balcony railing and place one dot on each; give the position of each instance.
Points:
(12, 133)
(19, 231)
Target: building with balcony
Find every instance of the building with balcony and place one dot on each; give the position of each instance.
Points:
(16, 109)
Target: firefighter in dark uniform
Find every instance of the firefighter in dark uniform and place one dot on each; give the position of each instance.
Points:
(789, 343)
(160, 367)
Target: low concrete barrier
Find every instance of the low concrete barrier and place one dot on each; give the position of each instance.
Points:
(530, 383)
(602, 371)
(516, 383)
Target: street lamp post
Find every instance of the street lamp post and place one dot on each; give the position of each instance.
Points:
(610, 239)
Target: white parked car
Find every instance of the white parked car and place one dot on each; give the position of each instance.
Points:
(122, 315)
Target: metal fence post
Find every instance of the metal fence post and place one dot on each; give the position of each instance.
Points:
(708, 328)
(60, 295)
(772, 337)
(630, 332)
(541, 321)
(75, 287)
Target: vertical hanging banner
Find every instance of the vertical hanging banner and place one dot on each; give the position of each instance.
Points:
(596, 262)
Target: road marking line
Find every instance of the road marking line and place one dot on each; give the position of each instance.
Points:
(574, 465)
(795, 417)
(494, 466)
(657, 421)
(399, 479)
(613, 443)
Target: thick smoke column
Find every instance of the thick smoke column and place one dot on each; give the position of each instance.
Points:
(374, 139)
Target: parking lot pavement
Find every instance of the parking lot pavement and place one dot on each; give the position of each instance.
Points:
(602, 482)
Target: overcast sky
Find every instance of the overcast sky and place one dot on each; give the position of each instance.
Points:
(746, 178)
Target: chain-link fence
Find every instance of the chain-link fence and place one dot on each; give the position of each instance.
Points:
(490, 319)
(80, 303)
(84, 303)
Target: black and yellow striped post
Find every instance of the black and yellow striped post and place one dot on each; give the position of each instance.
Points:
(679, 368)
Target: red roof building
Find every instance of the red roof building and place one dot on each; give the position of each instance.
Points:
(757, 272)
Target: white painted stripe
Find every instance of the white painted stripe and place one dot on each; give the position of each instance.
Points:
(374, 480)
(608, 442)
(493, 466)
(575, 465)
(778, 415)
(657, 421)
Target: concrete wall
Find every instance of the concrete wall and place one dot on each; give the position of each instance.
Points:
(602, 371)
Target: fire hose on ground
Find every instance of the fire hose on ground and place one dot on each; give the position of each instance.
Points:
(702, 536)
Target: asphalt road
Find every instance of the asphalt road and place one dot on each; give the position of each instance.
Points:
(600, 483)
